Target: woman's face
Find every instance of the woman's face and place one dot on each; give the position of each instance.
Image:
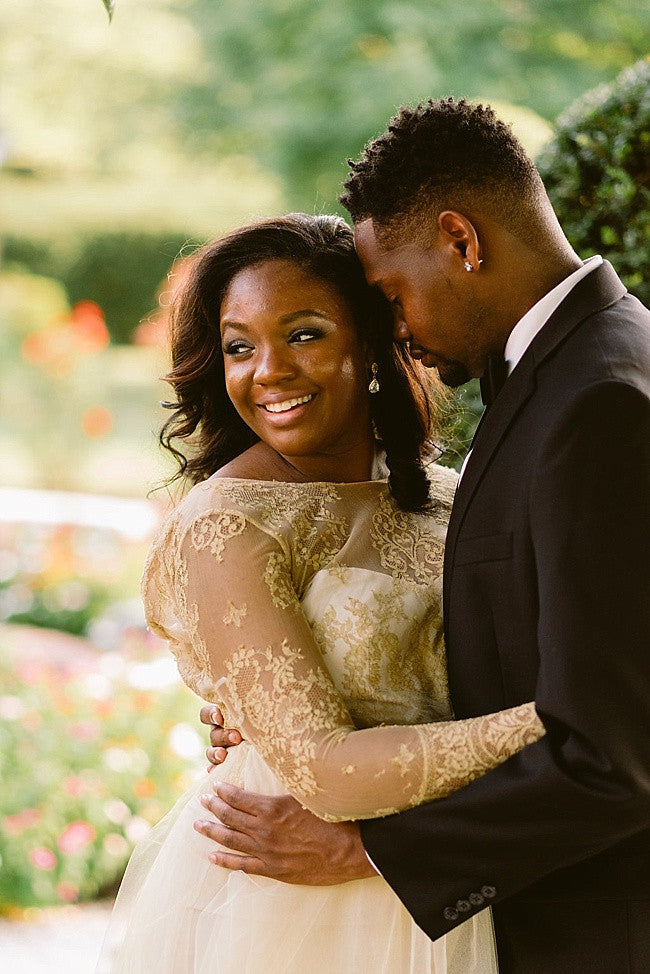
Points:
(295, 368)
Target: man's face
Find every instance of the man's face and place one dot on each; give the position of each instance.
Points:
(436, 303)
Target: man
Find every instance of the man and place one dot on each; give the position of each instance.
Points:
(547, 590)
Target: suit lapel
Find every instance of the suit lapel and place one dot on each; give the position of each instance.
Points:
(593, 293)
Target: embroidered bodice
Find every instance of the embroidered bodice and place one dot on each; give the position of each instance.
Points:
(311, 614)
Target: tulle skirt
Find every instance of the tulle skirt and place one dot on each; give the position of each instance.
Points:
(177, 913)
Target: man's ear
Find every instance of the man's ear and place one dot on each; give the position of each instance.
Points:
(459, 237)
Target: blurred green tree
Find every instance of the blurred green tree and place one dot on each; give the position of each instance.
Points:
(597, 172)
(304, 85)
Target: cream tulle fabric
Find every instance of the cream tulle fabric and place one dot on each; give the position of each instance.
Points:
(311, 614)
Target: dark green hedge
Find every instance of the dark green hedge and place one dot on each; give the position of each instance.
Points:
(597, 172)
(121, 271)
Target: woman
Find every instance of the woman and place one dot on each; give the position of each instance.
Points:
(301, 594)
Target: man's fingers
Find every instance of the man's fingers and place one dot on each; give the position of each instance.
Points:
(210, 715)
(244, 801)
(245, 864)
(232, 818)
(230, 838)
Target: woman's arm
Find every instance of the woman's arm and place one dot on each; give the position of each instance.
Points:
(254, 655)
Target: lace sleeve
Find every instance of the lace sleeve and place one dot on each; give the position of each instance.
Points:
(254, 654)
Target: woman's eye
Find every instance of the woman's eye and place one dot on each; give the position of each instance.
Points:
(236, 348)
(306, 334)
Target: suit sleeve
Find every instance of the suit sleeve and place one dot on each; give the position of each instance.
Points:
(585, 786)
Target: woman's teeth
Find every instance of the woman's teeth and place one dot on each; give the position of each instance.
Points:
(282, 407)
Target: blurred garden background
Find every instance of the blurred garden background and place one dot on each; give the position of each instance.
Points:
(123, 146)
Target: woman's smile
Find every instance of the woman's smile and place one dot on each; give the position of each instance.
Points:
(286, 405)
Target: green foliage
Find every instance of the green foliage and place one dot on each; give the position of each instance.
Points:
(94, 759)
(121, 271)
(110, 7)
(303, 85)
(597, 172)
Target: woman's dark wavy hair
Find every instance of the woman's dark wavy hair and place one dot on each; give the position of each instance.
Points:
(203, 416)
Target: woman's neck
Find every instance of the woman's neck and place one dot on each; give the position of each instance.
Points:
(261, 462)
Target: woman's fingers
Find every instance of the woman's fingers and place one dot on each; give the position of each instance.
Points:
(210, 715)
(224, 737)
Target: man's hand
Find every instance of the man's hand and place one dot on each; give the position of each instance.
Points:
(221, 738)
(276, 837)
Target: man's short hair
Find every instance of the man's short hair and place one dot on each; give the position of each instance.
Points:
(443, 154)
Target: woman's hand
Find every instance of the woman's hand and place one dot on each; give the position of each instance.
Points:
(221, 738)
(275, 836)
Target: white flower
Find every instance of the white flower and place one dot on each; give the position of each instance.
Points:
(185, 742)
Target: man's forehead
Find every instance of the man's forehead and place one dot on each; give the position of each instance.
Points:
(378, 258)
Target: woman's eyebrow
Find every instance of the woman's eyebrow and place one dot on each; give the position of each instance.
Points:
(304, 313)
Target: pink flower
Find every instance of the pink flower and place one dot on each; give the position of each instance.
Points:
(17, 823)
(74, 786)
(84, 730)
(42, 858)
(75, 837)
(67, 892)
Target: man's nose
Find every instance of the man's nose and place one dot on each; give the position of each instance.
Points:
(401, 332)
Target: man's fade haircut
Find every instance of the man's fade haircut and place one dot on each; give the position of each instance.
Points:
(443, 154)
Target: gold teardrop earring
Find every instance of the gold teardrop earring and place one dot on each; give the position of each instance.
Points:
(374, 382)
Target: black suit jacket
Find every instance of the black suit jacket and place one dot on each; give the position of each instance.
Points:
(547, 597)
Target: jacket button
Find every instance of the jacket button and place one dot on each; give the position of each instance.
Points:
(449, 913)
(463, 906)
(476, 899)
(489, 892)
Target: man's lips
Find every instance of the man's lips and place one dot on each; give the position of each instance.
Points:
(423, 355)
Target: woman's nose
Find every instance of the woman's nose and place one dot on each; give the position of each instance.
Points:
(273, 365)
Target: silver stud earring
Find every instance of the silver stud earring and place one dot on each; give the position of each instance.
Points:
(374, 382)
(468, 266)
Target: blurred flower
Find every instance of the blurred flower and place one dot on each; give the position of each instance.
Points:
(85, 730)
(42, 858)
(16, 824)
(97, 421)
(11, 708)
(145, 788)
(67, 892)
(74, 786)
(185, 741)
(75, 837)
(116, 845)
(117, 759)
(89, 327)
(117, 811)
(136, 828)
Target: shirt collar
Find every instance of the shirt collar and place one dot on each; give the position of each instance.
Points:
(536, 317)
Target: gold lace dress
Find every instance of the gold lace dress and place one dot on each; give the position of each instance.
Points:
(311, 614)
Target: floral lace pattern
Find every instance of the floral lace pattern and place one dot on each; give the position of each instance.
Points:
(311, 614)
